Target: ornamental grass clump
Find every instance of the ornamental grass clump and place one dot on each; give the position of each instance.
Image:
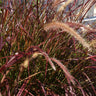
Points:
(46, 48)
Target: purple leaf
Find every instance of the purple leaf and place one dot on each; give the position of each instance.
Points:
(1, 43)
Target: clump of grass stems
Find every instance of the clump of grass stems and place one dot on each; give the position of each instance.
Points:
(46, 50)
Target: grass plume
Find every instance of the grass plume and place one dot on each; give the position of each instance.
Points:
(65, 27)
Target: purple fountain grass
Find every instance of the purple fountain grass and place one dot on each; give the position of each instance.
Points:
(39, 49)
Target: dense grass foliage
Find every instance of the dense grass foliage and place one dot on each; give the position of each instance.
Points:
(46, 49)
